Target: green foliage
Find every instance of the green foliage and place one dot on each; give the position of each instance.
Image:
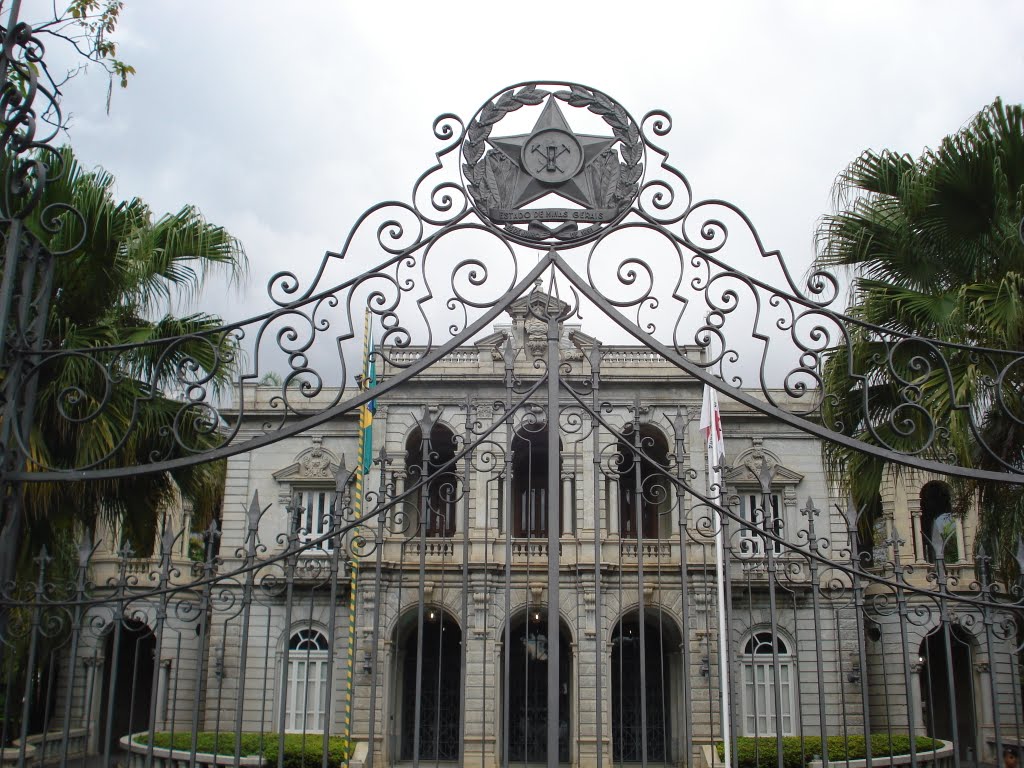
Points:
(934, 249)
(306, 751)
(115, 285)
(950, 550)
(798, 752)
(300, 750)
(96, 21)
(85, 29)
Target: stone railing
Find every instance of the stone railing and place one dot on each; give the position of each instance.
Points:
(47, 748)
(631, 357)
(433, 549)
(458, 356)
(649, 550)
(531, 548)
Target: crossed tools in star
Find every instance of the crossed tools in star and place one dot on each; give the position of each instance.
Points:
(550, 153)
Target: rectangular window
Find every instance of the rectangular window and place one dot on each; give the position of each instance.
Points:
(307, 692)
(752, 544)
(759, 698)
(501, 503)
(315, 516)
(531, 513)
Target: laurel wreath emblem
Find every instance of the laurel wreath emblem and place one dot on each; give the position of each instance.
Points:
(492, 177)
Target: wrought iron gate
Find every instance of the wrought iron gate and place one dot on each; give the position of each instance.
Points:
(518, 562)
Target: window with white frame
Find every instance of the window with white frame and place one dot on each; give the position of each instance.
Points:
(758, 661)
(313, 518)
(306, 701)
(756, 516)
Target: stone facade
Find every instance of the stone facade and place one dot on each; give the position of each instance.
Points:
(848, 653)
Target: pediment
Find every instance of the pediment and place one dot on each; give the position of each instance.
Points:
(747, 474)
(495, 339)
(537, 302)
(315, 464)
(583, 341)
(493, 342)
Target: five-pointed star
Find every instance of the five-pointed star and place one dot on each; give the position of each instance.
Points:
(578, 188)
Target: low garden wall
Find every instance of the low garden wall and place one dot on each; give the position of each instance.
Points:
(940, 757)
(299, 751)
(178, 758)
(47, 748)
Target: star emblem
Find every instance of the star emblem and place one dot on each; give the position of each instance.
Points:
(552, 158)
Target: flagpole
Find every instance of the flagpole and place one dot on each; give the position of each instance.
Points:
(364, 448)
(711, 426)
(723, 629)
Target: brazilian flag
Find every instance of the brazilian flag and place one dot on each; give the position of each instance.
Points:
(367, 411)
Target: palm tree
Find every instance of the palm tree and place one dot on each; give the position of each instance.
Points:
(935, 252)
(113, 297)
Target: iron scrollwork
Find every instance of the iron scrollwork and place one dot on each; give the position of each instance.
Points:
(694, 289)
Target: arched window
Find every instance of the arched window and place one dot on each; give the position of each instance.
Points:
(306, 702)
(531, 497)
(759, 710)
(937, 508)
(643, 485)
(437, 479)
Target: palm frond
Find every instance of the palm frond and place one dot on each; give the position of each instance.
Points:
(934, 251)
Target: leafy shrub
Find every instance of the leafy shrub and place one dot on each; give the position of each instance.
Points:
(300, 751)
(798, 752)
(305, 751)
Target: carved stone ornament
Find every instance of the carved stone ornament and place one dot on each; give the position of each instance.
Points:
(314, 464)
(506, 174)
(749, 465)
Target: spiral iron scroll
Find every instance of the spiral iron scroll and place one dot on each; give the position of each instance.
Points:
(446, 271)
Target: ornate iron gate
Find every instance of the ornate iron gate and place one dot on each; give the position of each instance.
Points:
(520, 563)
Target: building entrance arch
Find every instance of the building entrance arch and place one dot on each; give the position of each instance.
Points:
(526, 680)
(129, 654)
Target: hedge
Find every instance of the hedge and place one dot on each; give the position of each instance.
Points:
(798, 752)
(300, 751)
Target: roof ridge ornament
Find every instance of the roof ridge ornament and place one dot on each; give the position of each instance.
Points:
(598, 174)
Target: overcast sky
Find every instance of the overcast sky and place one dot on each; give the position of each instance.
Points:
(284, 121)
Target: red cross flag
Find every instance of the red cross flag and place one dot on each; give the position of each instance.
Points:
(711, 425)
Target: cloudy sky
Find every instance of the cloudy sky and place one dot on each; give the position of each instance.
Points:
(284, 121)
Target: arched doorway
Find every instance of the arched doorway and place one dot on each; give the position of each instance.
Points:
(939, 691)
(526, 689)
(644, 664)
(428, 702)
(130, 652)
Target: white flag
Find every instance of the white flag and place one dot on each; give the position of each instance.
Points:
(711, 428)
(711, 424)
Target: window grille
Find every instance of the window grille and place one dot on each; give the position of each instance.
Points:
(752, 544)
